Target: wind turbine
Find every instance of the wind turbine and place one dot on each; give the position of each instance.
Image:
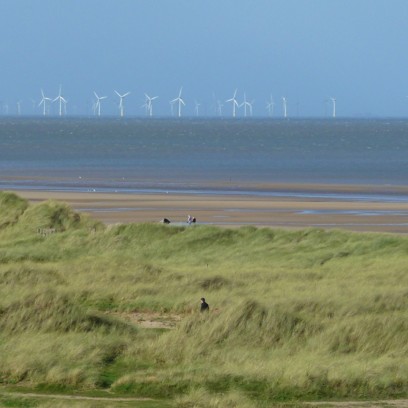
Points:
(234, 103)
(251, 105)
(98, 103)
(270, 106)
(61, 100)
(285, 107)
(19, 108)
(44, 102)
(148, 104)
(219, 108)
(121, 107)
(246, 105)
(334, 106)
(180, 101)
(197, 106)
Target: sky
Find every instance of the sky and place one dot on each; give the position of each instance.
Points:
(304, 50)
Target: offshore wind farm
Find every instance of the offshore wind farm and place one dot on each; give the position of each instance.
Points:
(241, 107)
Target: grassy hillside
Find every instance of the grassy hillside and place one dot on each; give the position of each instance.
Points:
(307, 314)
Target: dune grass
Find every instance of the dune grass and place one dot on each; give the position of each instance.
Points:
(295, 315)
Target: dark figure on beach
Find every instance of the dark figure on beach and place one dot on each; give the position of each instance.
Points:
(165, 221)
(204, 306)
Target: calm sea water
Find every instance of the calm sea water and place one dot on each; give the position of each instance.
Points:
(164, 152)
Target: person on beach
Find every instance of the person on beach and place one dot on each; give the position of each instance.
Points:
(204, 306)
(191, 220)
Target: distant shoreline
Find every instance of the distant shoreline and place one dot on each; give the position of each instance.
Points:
(340, 191)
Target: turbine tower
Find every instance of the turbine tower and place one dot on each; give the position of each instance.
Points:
(180, 101)
(98, 103)
(197, 107)
(219, 108)
(148, 104)
(334, 106)
(61, 100)
(270, 106)
(246, 105)
(121, 106)
(234, 103)
(44, 102)
(285, 107)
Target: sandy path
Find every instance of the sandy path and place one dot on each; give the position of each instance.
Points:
(73, 397)
(402, 403)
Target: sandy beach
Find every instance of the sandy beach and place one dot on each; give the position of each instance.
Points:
(232, 210)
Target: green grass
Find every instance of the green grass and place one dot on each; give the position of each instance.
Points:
(295, 315)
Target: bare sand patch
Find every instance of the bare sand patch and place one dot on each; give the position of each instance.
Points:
(149, 320)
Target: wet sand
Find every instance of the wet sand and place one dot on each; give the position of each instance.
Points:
(249, 209)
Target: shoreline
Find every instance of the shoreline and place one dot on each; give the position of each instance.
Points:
(283, 205)
(353, 192)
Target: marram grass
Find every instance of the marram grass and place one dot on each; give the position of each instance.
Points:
(294, 315)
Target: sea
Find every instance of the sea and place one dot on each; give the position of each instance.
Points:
(199, 155)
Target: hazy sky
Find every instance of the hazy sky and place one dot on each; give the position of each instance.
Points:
(305, 50)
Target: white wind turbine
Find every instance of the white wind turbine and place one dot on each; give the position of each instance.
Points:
(251, 105)
(44, 102)
(234, 103)
(285, 107)
(270, 106)
(334, 106)
(18, 108)
(149, 104)
(180, 102)
(197, 107)
(247, 106)
(98, 103)
(61, 100)
(219, 108)
(121, 106)
(146, 104)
